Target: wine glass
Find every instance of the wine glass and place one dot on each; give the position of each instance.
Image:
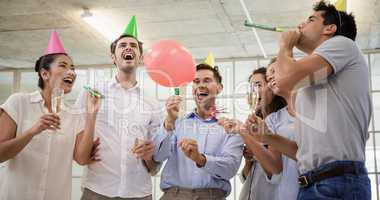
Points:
(56, 100)
(139, 140)
(254, 96)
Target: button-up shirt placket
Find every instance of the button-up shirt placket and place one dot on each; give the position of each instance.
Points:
(201, 138)
(46, 158)
(45, 168)
(123, 164)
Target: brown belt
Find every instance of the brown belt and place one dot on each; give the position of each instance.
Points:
(310, 178)
(197, 191)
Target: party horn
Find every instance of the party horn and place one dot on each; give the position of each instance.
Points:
(93, 92)
(176, 91)
(263, 27)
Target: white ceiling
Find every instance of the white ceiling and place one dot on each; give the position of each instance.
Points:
(201, 25)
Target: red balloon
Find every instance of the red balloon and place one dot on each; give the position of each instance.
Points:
(170, 64)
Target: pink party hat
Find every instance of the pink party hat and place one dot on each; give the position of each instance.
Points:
(55, 45)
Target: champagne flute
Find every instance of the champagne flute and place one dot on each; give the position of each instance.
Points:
(139, 140)
(56, 99)
(254, 96)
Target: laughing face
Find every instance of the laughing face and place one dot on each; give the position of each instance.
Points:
(127, 54)
(271, 78)
(205, 88)
(62, 73)
(257, 82)
(265, 95)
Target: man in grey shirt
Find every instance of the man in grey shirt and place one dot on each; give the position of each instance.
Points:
(333, 106)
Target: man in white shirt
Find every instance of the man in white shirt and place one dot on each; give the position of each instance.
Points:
(125, 124)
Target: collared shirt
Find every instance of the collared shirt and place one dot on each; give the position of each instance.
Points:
(282, 123)
(223, 153)
(42, 170)
(125, 114)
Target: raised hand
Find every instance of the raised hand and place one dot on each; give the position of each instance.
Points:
(172, 108)
(257, 127)
(290, 39)
(93, 103)
(144, 150)
(248, 155)
(233, 126)
(190, 149)
(48, 121)
(95, 157)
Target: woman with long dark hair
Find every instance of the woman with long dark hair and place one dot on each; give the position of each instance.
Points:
(279, 120)
(38, 132)
(261, 161)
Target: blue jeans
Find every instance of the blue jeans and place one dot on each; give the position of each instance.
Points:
(346, 187)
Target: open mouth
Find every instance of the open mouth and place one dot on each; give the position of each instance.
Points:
(202, 95)
(68, 80)
(273, 85)
(128, 56)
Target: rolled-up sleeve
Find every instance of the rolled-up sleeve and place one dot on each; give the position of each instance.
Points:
(226, 164)
(163, 141)
(157, 116)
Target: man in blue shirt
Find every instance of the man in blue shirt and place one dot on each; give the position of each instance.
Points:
(201, 157)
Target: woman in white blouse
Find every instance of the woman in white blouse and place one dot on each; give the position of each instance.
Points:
(36, 145)
(257, 171)
(280, 122)
(275, 178)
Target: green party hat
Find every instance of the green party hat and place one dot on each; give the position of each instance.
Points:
(131, 28)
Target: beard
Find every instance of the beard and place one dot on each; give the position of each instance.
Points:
(305, 45)
(206, 104)
(126, 68)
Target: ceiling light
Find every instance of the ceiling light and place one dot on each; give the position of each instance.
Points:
(104, 24)
(86, 13)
